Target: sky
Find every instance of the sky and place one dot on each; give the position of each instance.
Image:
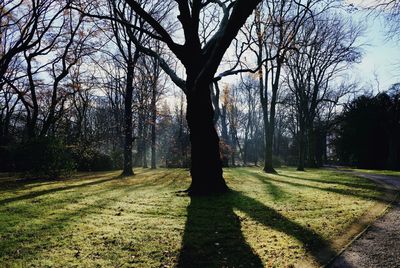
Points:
(381, 57)
(380, 64)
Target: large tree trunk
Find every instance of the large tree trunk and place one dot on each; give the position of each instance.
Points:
(268, 167)
(127, 170)
(206, 165)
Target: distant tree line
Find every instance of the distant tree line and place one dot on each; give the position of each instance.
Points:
(368, 131)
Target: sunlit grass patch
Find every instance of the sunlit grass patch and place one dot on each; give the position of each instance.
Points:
(102, 219)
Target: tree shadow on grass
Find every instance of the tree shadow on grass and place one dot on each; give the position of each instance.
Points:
(54, 190)
(273, 190)
(213, 236)
(95, 180)
(357, 192)
(30, 242)
(345, 182)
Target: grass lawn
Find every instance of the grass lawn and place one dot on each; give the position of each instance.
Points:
(100, 220)
(380, 172)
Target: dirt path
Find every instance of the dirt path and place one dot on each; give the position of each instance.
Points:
(379, 246)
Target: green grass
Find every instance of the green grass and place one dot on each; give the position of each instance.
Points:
(101, 220)
(380, 172)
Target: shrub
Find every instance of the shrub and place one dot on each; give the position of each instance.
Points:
(276, 161)
(89, 159)
(117, 158)
(43, 157)
(6, 159)
(101, 162)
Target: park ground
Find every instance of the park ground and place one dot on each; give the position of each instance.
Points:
(102, 220)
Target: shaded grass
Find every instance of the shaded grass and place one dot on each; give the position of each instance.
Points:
(101, 220)
(380, 172)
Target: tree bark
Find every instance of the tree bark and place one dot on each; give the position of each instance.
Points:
(127, 170)
(225, 137)
(201, 64)
(233, 143)
(268, 167)
(140, 143)
(153, 128)
(144, 153)
(206, 165)
(311, 144)
(301, 149)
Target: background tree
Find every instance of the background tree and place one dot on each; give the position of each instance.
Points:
(329, 45)
(368, 131)
(390, 9)
(276, 26)
(123, 35)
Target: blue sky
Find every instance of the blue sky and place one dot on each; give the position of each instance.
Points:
(381, 59)
(380, 64)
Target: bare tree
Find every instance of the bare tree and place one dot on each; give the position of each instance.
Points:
(276, 26)
(329, 48)
(154, 83)
(201, 61)
(390, 10)
(123, 35)
(270, 36)
(57, 43)
(23, 25)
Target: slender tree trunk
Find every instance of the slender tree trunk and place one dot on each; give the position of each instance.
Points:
(268, 122)
(268, 128)
(32, 119)
(127, 169)
(301, 140)
(33, 115)
(153, 130)
(225, 137)
(325, 148)
(206, 168)
(233, 144)
(270, 131)
(50, 120)
(245, 146)
(139, 154)
(144, 153)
